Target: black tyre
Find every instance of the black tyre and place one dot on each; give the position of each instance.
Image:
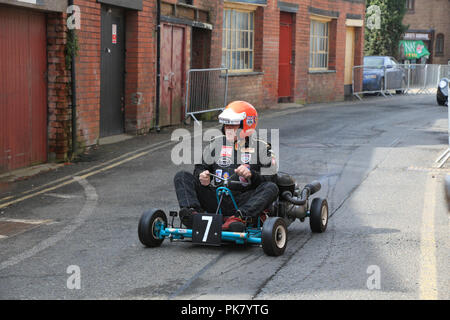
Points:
(274, 236)
(440, 98)
(148, 227)
(318, 219)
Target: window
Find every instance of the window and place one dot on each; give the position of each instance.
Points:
(319, 46)
(409, 5)
(238, 40)
(440, 44)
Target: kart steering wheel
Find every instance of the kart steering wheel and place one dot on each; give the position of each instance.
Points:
(227, 181)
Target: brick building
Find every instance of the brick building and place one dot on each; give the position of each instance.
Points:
(429, 22)
(294, 50)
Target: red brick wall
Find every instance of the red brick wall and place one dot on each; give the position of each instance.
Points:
(58, 83)
(140, 62)
(320, 87)
(140, 69)
(88, 73)
(308, 87)
(260, 88)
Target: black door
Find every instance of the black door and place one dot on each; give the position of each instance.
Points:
(112, 71)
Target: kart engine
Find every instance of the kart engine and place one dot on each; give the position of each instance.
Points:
(293, 201)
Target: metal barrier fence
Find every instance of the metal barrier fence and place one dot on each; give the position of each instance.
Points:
(400, 78)
(206, 91)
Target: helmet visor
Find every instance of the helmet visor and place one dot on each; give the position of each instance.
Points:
(228, 116)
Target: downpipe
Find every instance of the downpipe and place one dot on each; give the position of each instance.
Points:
(74, 101)
(158, 64)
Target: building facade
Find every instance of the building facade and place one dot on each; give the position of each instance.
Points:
(429, 21)
(276, 51)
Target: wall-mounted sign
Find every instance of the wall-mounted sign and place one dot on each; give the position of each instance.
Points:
(416, 36)
(114, 33)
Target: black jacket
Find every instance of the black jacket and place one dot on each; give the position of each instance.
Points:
(221, 158)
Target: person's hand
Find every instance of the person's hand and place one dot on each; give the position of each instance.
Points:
(204, 178)
(243, 171)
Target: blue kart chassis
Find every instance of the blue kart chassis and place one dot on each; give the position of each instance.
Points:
(252, 235)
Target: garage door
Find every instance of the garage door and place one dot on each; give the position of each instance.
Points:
(23, 88)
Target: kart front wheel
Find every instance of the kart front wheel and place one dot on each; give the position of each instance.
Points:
(149, 225)
(318, 219)
(274, 236)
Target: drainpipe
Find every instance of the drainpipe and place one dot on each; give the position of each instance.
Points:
(158, 62)
(74, 100)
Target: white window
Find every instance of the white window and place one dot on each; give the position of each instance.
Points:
(410, 5)
(238, 40)
(319, 45)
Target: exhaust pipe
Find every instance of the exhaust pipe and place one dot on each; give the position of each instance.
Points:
(307, 191)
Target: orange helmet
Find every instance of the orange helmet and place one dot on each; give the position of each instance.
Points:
(242, 113)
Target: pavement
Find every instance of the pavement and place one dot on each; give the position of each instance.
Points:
(387, 236)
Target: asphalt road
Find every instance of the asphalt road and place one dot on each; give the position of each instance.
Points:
(387, 236)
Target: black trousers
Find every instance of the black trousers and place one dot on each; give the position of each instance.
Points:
(191, 193)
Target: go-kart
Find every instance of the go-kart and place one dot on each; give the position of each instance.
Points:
(269, 230)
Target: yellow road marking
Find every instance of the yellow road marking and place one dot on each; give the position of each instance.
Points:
(428, 278)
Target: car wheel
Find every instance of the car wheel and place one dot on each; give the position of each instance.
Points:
(274, 236)
(149, 225)
(318, 218)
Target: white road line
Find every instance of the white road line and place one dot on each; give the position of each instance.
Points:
(27, 221)
(61, 196)
(86, 211)
(428, 278)
(3, 237)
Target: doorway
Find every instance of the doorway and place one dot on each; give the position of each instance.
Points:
(23, 88)
(172, 74)
(285, 62)
(349, 59)
(112, 71)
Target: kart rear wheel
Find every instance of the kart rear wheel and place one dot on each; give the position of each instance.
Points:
(274, 236)
(318, 218)
(149, 225)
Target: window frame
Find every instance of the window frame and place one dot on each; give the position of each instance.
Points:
(440, 39)
(410, 6)
(323, 20)
(237, 33)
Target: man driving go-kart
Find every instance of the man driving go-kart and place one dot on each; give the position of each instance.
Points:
(238, 156)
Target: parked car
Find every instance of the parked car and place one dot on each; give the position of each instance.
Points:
(442, 92)
(383, 72)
